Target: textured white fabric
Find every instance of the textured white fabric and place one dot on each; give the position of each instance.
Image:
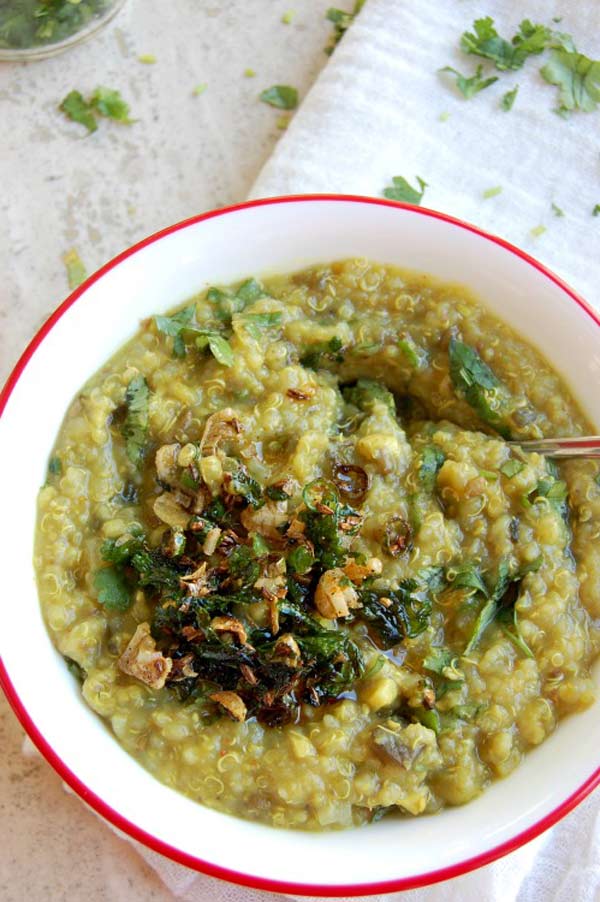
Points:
(375, 113)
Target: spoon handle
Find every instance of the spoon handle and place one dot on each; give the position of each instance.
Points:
(557, 448)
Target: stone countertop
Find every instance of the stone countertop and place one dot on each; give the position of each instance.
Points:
(100, 193)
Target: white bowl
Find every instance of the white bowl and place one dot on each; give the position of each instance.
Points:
(258, 238)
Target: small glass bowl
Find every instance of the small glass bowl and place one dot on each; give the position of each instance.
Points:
(42, 50)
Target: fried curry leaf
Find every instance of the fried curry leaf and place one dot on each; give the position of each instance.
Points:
(400, 190)
(394, 615)
(577, 78)
(135, 426)
(112, 589)
(469, 86)
(477, 383)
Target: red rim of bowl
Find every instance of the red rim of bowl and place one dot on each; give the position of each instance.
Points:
(94, 801)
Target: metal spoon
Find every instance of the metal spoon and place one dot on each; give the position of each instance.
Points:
(561, 448)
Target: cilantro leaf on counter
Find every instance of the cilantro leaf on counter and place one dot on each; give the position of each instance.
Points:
(400, 190)
(557, 210)
(577, 78)
(509, 98)
(79, 110)
(596, 210)
(103, 102)
(76, 273)
(135, 427)
(283, 97)
(468, 87)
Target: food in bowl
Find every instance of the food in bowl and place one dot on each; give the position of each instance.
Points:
(289, 551)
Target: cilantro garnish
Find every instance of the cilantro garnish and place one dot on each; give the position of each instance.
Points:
(113, 591)
(479, 385)
(342, 21)
(468, 87)
(255, 323)
(577, 78)
(135, 427)
(76, 273)
(39, 22)
(596, 210)
(509, 98)
(103, 102)
(400, 190)
(486, 42)
(283, 97)
(557, 210)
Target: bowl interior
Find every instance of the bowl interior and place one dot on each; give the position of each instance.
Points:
(261, 239)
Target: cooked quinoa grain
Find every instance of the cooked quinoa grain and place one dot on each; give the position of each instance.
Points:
(287, 550)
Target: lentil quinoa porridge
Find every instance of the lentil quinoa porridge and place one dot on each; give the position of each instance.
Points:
(285, 547)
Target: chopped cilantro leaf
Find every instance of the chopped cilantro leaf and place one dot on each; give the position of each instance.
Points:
(76, 273)
(492, 192)
(109, 103)
(103, 102)
(255, 323)
(113, 592)
(509, 98)
(596, 210)
(400, 190)
(218, 346)
(249, 291)
(342, 21)
(174, 326)
(135, 427)
(486, 42)
(79, 110)
(283, 97)
(479, 385)
(557, 210)
(468, 87)
(577, 78)
(537, 231)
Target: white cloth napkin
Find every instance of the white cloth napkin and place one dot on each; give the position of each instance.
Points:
(374, 113)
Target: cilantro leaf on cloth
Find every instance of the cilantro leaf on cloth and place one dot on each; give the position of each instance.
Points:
(402, 191)
(283, 97)
(468, 87)
(486, 42)
(342, 21)
(509, 98)
(577, 78)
